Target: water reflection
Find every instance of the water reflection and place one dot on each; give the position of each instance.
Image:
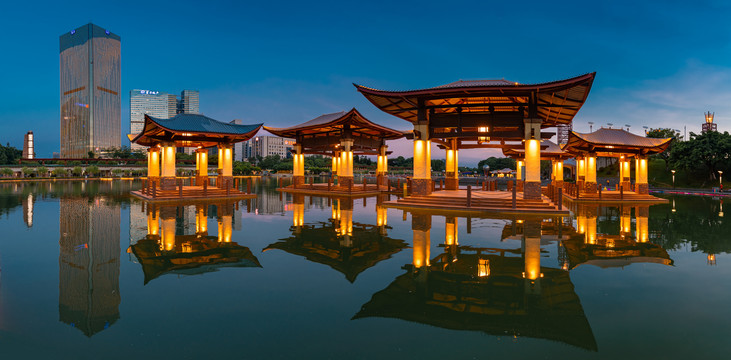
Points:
(346, 246)
(617, 248)
(89, 264)
(499, 291)
(168, 249)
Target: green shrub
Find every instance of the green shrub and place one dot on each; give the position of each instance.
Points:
(60, 172)
(6, 172)
(92, 170)
(77, 171)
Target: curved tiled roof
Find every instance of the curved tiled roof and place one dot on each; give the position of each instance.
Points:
(202, 124)
(191, 130)
(328, 123)
(557, 101)
(614, 141)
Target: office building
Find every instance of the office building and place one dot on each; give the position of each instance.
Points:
(189, 102)
(562, 132)
(153, 103)
(268, 145)
(90, 91)
(28, 148)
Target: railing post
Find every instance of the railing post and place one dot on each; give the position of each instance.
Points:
(406, 190)
(621, 192)
(560, 198)
(227, 185)
(205, 188)
(600, 192)
(350, 186)
(329, 183)
(364, 183)
(248, 186)
(154, 189)
(515, 193)
(469, 195)
(180, 188)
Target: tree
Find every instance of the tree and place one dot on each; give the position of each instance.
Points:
(92, 170)
(77, 171)
(664, 133)
(42, 171)
(497, 163)
(702, 155)
(6, 172)
(58, 172)
(438, 165)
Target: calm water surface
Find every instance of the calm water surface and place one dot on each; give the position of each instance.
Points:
(88, 272)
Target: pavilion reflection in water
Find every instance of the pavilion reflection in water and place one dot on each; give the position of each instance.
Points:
(166, 249)
(89, 295)
(500, 291)
(346, 246)
(589, 246)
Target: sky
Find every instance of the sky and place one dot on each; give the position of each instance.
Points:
(658, 63)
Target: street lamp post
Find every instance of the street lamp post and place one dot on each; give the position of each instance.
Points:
(720, 179)
(673, 171)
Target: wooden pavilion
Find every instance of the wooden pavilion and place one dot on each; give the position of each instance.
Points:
(482, 114)
(617, 143)
(549, 151)
(163, 136)
(339, 135)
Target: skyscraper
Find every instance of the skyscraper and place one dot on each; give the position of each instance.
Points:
(153, 103)
(90, 90)
(189, 102)
(28, 146)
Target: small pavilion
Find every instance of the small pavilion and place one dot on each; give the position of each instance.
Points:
(549, 151)
(339, 135)
(482, 114)
(617, 143)
(163, 136)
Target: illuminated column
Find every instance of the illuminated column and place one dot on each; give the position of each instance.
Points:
(153, 226)
(421, 183)
(625, 220)
(451, 182)
(451, 236)
(201, 220)
(421, 226)
(345, 168)
(224, 228)
(532, 181)
(532, 255)
(519, 170)
(580, 172)
(298, 212)
(382, 219)
(298, 165)
(590, 234)
(336, 160)
(642, 222)
(167, 218)
(153, 164)
(201, 166)
(641, 186)
(626, 182)
(558, 173)
(590, 174)
(167, 178)
(346, 222)
(225, 166)
(382, 167)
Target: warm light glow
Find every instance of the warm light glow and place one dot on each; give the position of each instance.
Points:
(590, 175)
(450, 233)
(421, 248)
(709, 117)
(168, 234)
(153, 163)
(483, 268)
(298, 214)
(532, 258)
(153, 227)
(642, 224)
(532, 160)
(225, 228)
(168, 161)
(422, 159)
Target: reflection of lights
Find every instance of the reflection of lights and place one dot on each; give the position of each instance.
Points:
(711, 259)
(483, 268)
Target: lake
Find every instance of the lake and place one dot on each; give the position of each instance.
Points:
(86, 271)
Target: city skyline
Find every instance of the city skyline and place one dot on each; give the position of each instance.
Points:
(659, 65)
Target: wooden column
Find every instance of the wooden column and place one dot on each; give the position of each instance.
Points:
(298, 166)
(452, 168)
(590, 175)
(201, 166)
(421, 183)
(225, 166)
(167, 176)
(532, 183)
(153, 165)
(345, 168)
(382, 167)
(641, 186)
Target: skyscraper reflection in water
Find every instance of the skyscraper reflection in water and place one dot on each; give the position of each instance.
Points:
(89, 264)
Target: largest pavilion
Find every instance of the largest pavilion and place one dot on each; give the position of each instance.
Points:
(482, 114)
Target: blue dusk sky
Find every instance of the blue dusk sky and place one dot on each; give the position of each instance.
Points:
(658, 64)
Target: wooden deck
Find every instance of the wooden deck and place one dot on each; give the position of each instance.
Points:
(192, 193)
(333, 190)
(482, 202)
(613, 196)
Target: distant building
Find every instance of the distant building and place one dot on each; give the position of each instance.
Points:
(189, 102)
(268, 145)
(709, 125)
(562, 132)
(90, 91)
(153, 103)
(28, 148)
